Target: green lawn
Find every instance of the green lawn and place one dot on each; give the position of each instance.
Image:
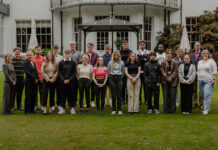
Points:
(107, 132)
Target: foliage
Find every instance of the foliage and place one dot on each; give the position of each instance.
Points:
(170, 37)
(118, 43)
(208, 25)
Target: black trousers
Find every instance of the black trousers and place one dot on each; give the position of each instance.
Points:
(76, 91)
(144, 89)
(48, 88)
(116, 84)
(40, 88)
(58, 92)
(30, 96)
(186, 97)
(93, 94)
(100, 94)
(153, 89)
(124, 90)
(67, 95)
(18, 92)
(169, 96)
(84, 85)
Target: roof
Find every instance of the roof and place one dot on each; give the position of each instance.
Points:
(110, 24)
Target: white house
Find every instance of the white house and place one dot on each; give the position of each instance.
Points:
(57, 21)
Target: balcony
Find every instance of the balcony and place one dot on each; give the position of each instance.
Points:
(58, 5)
(4, 9)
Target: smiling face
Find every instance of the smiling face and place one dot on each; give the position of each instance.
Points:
(132, 57)
(125, 46)
(85, 59)
(197, 46)
(160, 48)
(29, 56)
(38, 51)
(187, 59)
(101, 61)
(142, 45)
(73, 46)
(49, 55)
(205, 54)
(90, 48)
(169, 55)
(67, 55)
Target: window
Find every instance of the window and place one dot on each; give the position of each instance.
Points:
(192, 30)
(148, 31)
(76, 22)
(102, 37)
(123, 35)
(23, 33)
(43, 33)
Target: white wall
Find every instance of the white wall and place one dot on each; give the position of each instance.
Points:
(1, 34)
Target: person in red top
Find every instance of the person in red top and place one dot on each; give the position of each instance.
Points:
(38, 60)
(100, 76)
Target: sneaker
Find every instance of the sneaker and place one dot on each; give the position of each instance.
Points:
(87, 111)
(35, 108)
(205, 112)
(102, 112)
(20, 108)
(59, 107)
(53, 108)
(120, 113)
(72, 111)
(61, 111)
(150, 111)
(92, 104)
(98, 112)
(42, 108)
(81, 111)
(156, 111)
(105, 102)
(187, 113)
(113, 112)
(183, 113)
(110, 102)
(177, 104)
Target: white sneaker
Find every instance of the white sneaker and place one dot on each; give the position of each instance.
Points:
(35, 108)
(183, 113)
(84, 105)
(156, 111)
(72, 111)
(177, 104)
(150, 111)
(92, 104)
(59, 107)
(113, 112)
(187, 113)
(105, 102)
(42, 108)
(205, 112)
(120, 113)
(61, 111)
(110, 102)
(53, 108)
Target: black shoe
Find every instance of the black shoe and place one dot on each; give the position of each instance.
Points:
(140, 102)
(195, 106)
(81, 111)
(87, 111)
(102, 112)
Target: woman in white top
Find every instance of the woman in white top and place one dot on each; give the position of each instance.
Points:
(207, 70)
(84, 76)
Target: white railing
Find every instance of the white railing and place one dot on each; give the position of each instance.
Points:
(169, 3)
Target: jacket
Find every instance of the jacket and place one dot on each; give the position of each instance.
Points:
(152, 73)
(191, 74)
(30, 71)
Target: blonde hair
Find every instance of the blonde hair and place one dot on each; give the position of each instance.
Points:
(28, 52)
(107, 46)
(112, 59)
(6, 57)
(85, 55)
(204, 51)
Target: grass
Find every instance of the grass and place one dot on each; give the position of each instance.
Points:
(107, 132)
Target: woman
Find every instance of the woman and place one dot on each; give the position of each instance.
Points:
(187, 74)
(169, 70)
(116, 69)
(207, 70)
(100, 76)
(31, 81)
(84, 75)
(9, 83)
(132, 71)
(49, 72)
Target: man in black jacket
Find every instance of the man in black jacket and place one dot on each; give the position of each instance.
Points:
(124, 52)
(67, 75)
(152, 79)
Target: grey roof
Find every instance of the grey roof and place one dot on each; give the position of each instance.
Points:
(110, 24)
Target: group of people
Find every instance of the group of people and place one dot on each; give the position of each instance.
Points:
(124, 73)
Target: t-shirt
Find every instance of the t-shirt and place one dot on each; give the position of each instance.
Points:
(100, 73)
(38, 61)
(133, 68)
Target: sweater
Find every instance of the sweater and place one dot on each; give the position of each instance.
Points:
(18, 67)
(67, 70)
(49, 71)
(84, 71)
(206, 70)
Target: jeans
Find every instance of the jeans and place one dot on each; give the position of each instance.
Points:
(18, 91)
(84, 85)
(116, 84)
(100, 94)
(206, 91)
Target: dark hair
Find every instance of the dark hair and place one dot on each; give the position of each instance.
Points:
(142, 41)
(124, 41)
(152, 54)
(38, 46)
(91, 44)
(169, 51)
(136, 58)
(17, 48)
(55, 47)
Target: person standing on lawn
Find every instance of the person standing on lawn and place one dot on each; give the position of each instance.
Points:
(161, 56)
(38, 60)
(9, 83)
(93, 56)
(18, 63)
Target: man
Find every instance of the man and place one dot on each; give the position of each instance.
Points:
(107, 58)
(152, 79)
(93, 56)
(124, 52)
(143, 57)
(67, 75)
(18, 63)
(179, 60)
(195, 58)
(38, 60)
(161, 56)
(169, 70)
(58, 58)
(77, 58)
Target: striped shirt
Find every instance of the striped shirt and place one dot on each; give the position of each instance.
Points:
(18, 64)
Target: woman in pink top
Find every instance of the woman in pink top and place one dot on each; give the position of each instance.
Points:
(100, 76)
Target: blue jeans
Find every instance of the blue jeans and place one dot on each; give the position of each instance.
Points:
(206, 91)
